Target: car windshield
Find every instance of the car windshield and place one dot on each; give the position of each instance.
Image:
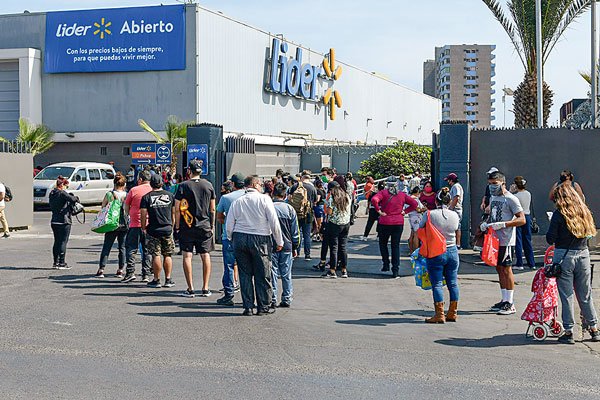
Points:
(52, 173)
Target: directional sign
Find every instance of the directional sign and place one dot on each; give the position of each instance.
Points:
(151, 153)
(199, 152)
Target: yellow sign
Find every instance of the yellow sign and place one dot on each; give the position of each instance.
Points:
(102, 28)
(332, 98)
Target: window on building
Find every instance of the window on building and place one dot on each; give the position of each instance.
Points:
(470, 68)
(126, 151)
(103, 150)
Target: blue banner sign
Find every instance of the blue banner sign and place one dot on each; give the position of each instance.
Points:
(116, 39)
(151, 153)
(198, 152)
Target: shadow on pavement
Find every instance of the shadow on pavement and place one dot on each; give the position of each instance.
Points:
(186, 314)
(11, 268)
(507, 340)
(380, 321)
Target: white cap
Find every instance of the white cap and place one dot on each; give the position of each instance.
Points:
(492, 170)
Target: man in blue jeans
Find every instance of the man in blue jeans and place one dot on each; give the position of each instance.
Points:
(228, 256)
(283, 260)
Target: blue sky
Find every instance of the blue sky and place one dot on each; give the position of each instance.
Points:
(391, 37)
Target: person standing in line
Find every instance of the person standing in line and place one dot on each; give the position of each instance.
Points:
(338, 213)
(131, 177)
(135, 237)
(283, 260)
(351, 190)
(571, 226)
(157, 219)
(304, 210)
(3, 221)
(567, 177)
(414, 218)
(427, 197)
(252, 225)
(118, 193)
(523, 242)
(230, 284)
(457, 193)
(60, 204)
(415, 181)
(195, 203)
(444, 266)
(369, 188)
(506, 214)
(402, 184)
(389, 204)
(373, 215)
(319, 209)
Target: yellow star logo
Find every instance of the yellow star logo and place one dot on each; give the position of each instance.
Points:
(332, 98)
(102, 28)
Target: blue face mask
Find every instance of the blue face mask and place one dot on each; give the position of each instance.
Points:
(495, 189)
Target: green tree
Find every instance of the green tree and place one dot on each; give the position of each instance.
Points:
(557, 15)
(402, 157)
(38, 136)
(175, 134)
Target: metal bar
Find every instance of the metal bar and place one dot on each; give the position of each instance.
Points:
(594, 73)
(538, 56)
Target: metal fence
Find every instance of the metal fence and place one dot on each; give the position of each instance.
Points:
(15, 147)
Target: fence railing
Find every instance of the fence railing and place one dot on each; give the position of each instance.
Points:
(15, 147)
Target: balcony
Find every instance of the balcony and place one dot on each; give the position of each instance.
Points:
(471, 64)
(493, 83)
(470, 108)
(493, 92)
(470, 91)
(493, 56)
(471, 82)
(471, 73)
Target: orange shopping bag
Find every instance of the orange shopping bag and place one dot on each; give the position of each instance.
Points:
(433, 243)
(491, 246)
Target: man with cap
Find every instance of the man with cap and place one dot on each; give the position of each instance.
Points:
(485, 201)
(194, 218)
(229, 265)
(456, 194)
(135, 235)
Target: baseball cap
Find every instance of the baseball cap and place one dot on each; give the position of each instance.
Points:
(196, 165)
(492, 170)
(451, 177)
(156, 181)
(238, 177)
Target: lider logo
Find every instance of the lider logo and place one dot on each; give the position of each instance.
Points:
(102, 28)
(332, 97)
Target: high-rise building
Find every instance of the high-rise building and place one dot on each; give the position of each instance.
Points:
(462, 79)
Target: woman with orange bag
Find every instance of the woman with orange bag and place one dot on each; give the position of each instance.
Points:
(444, 266)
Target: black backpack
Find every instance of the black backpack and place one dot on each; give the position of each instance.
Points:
(8, 196)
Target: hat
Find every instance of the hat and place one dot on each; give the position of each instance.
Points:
(156, 181)
(451, 177)
(238, 177)
(492, 170)
(196, 166)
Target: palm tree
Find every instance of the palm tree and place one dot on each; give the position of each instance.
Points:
(38, 136)
(557, 15)
(175, 134)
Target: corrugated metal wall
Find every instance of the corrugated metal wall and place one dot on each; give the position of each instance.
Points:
(9, 98)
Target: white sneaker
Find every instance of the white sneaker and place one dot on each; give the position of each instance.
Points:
(364, 238)
(519, 267)
(507, 309)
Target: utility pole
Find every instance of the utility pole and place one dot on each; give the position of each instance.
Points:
(538, 56)
(594, 70)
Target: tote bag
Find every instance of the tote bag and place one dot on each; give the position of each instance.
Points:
(491, 246)
(109, 218)
(433, 243)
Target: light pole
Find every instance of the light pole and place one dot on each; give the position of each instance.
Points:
(507, 92)
(594, 73)
(538, 56)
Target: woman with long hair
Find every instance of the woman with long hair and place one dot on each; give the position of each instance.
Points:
(570, 228)
(319, 208)
(444, 266)
(414, 217)
(60, 204)
(338, 213)
(524, 231)
(118, 193)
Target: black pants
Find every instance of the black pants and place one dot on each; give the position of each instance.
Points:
(373, 216)
(385, 233)
(61, 238)
(253, 256)
(109, 240)
(338, 240)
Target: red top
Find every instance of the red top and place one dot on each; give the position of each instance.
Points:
(133, 200)
(428, 201)
(393, 206)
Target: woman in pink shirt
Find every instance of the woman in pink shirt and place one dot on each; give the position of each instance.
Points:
(389, 204)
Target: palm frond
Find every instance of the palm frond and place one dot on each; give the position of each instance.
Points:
(508, 26)
(575, 9)
(144, 125)
(39, 136)
(587, 76)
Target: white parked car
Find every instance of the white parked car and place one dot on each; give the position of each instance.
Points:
(87, 180)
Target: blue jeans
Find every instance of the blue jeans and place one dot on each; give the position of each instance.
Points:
(282, 268)
(306, 239)
(524, 244)
(228, 263)
(442, 267)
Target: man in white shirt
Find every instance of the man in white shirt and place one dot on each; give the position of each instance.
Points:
(3, 220)
(252, 226)
(416, 180)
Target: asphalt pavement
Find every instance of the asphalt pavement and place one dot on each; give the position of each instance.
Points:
(68, 335)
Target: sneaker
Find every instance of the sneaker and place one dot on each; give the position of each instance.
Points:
(344, 274)
(155, 283)
(364, 238)
(236, 288)
(497, 306)
(385, 268)
(225, 301)
(119, 274)
(6, 235)
(145, 278)
(99, 274)
(63, 266)
(307, 258)
(507, 309)
(55, 266)
(205, 293)
(129, 278)
(274, 304)
(169, 283)
(284, 304)
(477, 249)
(395, 275)
(567, 338)
(329, 275)
(266, 312)
(319, 267)
(595, 334)
(188, 293)
(247, 312)
(519, 267)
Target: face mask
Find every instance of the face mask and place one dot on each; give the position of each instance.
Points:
(563, 178)
(393, 189)
(428, 190)
(495, 190)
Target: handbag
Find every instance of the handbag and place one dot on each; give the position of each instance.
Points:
(535, 228)
(491, 247)
(554, 269)
(419, 264)
(433, 243)
(109, 218)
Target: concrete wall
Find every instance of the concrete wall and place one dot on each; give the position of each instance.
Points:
(89, 151)
(16, 172)
(539, 156)
(343, 158)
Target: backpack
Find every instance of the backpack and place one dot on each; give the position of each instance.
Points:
(8, 196)
(299, 201)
